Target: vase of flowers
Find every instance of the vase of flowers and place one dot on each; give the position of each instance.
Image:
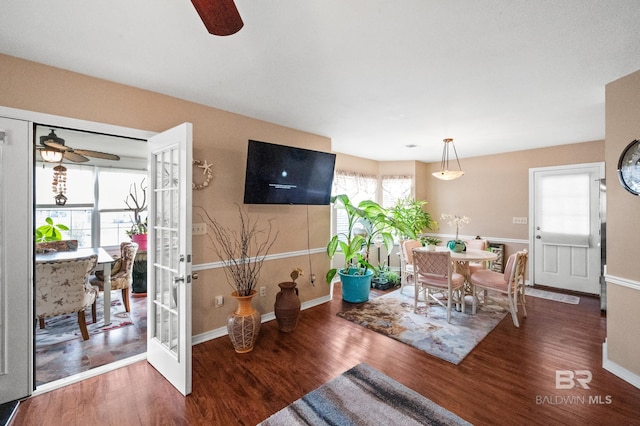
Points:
(456, 245)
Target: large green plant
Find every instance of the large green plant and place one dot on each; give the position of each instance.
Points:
(411, 217)
(367, 224)
(50, 231)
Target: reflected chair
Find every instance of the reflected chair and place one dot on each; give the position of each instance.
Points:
(122, 272)
(510, 283)
(433, 272)
(406, 262)
(62, 287)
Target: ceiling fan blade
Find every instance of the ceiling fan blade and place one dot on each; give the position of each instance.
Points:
(75, 157)
(220, 17)
(97, 154)
(55, 145)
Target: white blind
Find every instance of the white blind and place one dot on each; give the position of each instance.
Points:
(395, 188)
(358, 188)
(565, 204)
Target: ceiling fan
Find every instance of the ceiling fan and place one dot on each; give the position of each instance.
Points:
(52, 149)
(220, 17)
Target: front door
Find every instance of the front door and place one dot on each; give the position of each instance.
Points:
(169, 256)
(566, 226)
(16, 306)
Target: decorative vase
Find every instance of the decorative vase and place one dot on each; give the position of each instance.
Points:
(141, 240)
(355, 288)
(431, 247)
(457, 246)
(243, 324)
(287, 306)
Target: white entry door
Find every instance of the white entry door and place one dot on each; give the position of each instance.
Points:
(169, 256)
(566, 226)
(16, 313)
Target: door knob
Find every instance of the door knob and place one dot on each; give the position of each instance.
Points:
(538, 237)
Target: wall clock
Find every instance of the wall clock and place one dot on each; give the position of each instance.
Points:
(629, 168)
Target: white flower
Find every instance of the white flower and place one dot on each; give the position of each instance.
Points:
(456, 220)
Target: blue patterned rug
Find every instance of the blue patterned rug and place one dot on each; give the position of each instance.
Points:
(363, 396)
(65, 327)
(428, 330)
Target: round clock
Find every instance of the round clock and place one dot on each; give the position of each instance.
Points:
(629, 168)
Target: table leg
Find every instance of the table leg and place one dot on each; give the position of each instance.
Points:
(107, 293)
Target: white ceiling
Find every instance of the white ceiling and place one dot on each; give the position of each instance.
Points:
(373, 75)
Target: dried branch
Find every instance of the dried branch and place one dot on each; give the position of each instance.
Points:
(242, 251)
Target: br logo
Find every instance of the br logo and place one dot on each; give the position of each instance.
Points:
(568, 379)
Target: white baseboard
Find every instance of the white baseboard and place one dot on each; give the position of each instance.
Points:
(618, 370)
(222, 331)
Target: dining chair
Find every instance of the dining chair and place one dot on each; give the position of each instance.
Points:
(477, 244)
(62, 287)
(433, 272)
(510, 283)
(121, 273)
(406, 262)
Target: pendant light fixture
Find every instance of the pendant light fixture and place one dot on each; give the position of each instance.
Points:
(445, 173)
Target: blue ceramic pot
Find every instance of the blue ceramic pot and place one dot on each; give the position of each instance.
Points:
(355, 288)
(457, 246)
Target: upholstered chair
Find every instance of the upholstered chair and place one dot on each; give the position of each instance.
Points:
(122, 273)
(406, 262)
(62, 287)
(510, 283)
(433, 272)
(477, 244)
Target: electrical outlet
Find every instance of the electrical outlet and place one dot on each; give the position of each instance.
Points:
(199, 229)
(263, 291)
(219, 301)
(520, 220)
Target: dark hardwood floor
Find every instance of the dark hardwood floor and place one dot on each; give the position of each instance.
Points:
(508, 379)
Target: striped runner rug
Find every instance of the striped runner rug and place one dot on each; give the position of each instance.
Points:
(363, 396)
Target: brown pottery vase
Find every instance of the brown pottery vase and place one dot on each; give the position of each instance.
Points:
(243, 324)
(287, 307)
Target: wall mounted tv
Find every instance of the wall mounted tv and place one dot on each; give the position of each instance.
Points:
(278, 174)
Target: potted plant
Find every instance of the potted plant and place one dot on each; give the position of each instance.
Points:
(385, 278)
(430, 242)
(456, 245)
(409, 213)
(367, 224)
(49, 237)
(137, 203)
(242, 252)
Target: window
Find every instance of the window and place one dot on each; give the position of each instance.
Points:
(395, 188)
(358, 188)
(95, 212)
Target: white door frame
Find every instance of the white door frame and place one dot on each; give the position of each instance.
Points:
(27, 233)
(532, 223)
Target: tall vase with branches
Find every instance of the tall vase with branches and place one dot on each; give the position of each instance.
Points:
(242, 252)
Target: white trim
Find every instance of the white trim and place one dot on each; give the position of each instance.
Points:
(624, 282)
(222, 331)
(57, 384)
(284, 255)
(623, 373)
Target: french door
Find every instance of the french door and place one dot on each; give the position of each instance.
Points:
(169, 256)
(566, 226)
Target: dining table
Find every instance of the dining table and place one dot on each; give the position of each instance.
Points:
(461, 263)
(104, 264)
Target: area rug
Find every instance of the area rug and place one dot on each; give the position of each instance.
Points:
(363, 396)
(428, 329)
(552, 295)
(65, 327)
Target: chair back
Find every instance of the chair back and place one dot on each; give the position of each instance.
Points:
(128, 250)
(432, 263)
(407, 250)
(515, 270)
(477, 244)
(61, 285)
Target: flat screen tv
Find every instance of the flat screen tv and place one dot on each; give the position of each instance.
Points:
(278, 174)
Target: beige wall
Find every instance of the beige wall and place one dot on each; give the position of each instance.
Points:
(220, 138)
(623, 223)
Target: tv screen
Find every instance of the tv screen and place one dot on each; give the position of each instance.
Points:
(278, 174)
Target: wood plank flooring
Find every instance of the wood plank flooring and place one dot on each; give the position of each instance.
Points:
(508, 379)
